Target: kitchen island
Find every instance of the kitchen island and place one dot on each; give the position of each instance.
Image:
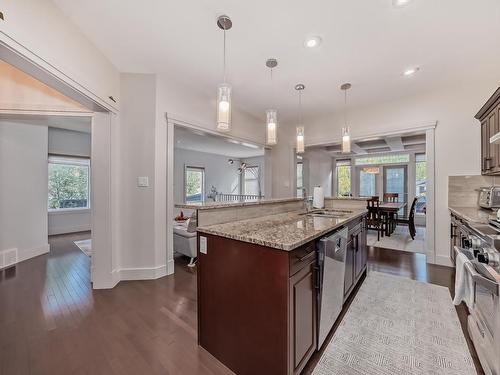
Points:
(257, 287)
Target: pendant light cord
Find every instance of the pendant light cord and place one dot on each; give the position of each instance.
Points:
(224, 64)
(300, 107)
(345, 108)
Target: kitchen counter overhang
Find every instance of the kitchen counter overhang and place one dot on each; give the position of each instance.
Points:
(285, 231)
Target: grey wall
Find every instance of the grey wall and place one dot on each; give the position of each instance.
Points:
(69, 143)
(217, 172)
(23, 188)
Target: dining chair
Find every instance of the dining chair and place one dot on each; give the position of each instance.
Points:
(374, 219)
(392, 218)
(410, 221)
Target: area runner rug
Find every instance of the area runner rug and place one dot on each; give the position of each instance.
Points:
(85, 246)
(398, 326)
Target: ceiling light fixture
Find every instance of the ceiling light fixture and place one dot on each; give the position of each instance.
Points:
(300, 127)
(313, 41)
(400, 3)
(224, 89)
(271, 114)
(346, 136)
(410, 71)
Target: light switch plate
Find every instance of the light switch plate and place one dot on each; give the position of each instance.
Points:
(142, 181)
(203, 245)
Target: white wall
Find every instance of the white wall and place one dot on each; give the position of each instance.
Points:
(195, 107)
(23, 188)
(137, 158)
(457, 137)
(217, 172)
(318, 167)
(69, 143)
(40, 27)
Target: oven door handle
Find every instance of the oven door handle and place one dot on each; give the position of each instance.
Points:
(491, 285)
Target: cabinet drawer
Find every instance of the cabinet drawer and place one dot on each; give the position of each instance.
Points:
(301, 257)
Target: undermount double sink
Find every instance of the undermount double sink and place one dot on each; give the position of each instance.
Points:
(334, 214)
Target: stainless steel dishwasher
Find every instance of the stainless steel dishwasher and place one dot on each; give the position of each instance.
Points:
(331, 270)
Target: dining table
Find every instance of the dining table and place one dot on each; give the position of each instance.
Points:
(389, 209)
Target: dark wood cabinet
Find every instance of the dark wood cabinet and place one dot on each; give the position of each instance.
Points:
(356, 256)
(257, 306)
(488, 115)
(302, 318)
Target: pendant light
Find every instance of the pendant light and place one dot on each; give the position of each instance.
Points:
(224, 89)
(271, 114)
(346, 136)
(300, 127)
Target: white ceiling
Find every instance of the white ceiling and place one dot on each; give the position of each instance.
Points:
(195, 140)
(366, 42)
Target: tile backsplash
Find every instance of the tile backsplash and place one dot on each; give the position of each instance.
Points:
(463, 190)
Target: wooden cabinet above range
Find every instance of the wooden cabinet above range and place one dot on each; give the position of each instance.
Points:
(488, 115)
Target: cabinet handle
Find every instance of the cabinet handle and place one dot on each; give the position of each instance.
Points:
(308, 255)
(316, 277)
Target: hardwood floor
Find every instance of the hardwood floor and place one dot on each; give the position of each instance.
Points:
(52, 322)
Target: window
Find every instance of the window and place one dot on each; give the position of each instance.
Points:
(343, 175)
(194, 181)
(367, 184)
(421, 182)
(69, 183)
(252, 184)
(383, 159)
(300, 177)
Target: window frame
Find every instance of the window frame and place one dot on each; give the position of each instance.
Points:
(66, 160)
(255, 178)
(203, 182)
(343, 163)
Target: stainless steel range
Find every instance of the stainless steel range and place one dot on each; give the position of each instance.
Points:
(480, 247)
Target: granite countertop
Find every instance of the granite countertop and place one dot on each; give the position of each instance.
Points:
(285, 231)
(211, 205)
(473, 214)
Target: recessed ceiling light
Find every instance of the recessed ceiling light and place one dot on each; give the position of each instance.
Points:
(249, 145)
(410, 71)
(400, 3)
(313, 41)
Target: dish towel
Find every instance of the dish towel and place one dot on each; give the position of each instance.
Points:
(464, 285)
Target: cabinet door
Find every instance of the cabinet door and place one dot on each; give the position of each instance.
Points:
(302, 318)
(358, 257)
(349, 267)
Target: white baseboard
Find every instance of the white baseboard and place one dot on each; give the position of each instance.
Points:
(170, 267)
(109, 282)
(71, 229)
(25, 254)
(147, 273)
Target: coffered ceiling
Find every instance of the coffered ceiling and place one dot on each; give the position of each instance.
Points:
(395, 143)
(369, 43)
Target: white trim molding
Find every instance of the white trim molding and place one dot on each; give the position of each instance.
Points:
(144, 273)
(25, 254)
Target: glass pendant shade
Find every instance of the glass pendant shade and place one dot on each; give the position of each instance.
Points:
(300, 139)
(224, 107)
(272, 127)
(346, 140)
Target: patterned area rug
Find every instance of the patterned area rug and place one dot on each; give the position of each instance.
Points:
(398, 326)
(85, 246)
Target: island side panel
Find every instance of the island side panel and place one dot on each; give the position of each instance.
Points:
(243, 305)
